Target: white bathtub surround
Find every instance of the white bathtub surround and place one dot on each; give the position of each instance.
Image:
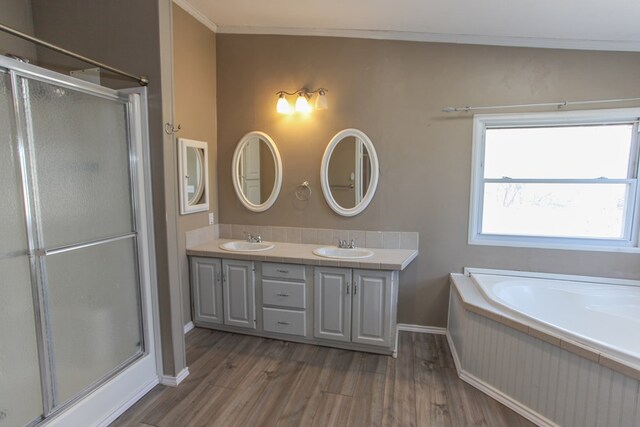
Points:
(324, 236)
(543, 372)
(599, 319)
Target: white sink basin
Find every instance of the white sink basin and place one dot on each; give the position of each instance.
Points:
(334, 252)
(242, 246)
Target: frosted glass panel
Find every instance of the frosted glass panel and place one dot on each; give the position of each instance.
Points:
(12, 227)
(94, 312)
(20, 394)
(81, 164)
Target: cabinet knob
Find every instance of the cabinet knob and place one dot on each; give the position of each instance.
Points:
(283, 295)
(283, 323)
(347, 288)
(283, 271)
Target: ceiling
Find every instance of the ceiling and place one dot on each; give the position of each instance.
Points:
(572, 24)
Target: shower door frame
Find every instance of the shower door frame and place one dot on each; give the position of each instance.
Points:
(109, 396)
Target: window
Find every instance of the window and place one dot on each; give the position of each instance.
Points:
(556, 180)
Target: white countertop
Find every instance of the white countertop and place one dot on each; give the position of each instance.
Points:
(298, 253)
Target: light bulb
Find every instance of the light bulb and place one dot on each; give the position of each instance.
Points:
(283, 106)
(302, 104)
(321, 100)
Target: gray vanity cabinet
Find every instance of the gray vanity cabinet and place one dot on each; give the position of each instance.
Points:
(372, 307)
(354, 305)
(333, 306)
(239, 290)
(332, 303)
(206, 282)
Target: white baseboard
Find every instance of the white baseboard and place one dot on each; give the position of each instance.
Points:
(188, 327)
(174, 381)
(496, 394)
(128, 404)
(422, 329)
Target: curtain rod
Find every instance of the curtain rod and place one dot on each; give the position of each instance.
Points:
(142, 80)
(545, 104)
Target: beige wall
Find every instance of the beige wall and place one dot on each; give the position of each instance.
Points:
(394, 92)
(194, 79)
(17, 14)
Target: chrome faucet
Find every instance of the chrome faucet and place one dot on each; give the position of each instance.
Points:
(342, 244)
(253, 238)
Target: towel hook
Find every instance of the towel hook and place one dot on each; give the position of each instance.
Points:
(170, 129)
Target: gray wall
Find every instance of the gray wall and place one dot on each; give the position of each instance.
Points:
(394, 91)
(194, 75)
(124, 34)
(17, 14)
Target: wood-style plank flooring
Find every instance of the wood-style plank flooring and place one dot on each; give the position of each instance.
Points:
(239, 380)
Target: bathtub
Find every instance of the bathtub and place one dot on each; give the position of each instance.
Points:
(602, 316)
(559, 350)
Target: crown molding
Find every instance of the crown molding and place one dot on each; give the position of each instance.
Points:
(191, 10)
(548, 43)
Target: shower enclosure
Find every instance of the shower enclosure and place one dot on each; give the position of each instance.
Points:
(76, 313)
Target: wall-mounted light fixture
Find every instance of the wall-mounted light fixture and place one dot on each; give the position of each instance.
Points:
(302, 102)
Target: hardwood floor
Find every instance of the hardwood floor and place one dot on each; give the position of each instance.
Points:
(239, 380)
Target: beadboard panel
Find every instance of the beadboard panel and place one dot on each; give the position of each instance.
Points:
(561, 387)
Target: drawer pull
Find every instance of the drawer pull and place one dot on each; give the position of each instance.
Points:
(283, 323)
(282, 271)
(283, 295)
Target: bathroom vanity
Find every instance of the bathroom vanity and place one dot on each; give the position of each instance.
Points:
(289, 293)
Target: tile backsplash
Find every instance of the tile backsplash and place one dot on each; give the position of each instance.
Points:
(322, 236)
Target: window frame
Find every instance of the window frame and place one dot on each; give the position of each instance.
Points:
(481, 122)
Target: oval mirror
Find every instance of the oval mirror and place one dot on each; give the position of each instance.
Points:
(349, 172)
(257, 171)
(194, 173)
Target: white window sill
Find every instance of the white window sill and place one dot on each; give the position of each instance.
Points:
(552, 245)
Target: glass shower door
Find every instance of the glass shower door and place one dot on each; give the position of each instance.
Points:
(78, 151)
(20, 390)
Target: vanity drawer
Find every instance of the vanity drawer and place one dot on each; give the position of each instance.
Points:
(283, 271)
(284, 321)
(285, 294)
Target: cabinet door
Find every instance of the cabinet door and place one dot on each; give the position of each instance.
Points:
(239, 290)
(206, 288)
(372, 298)
(332, 303)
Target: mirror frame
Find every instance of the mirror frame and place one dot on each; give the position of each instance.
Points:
(185, 207)
(324, 173)
(235, 165)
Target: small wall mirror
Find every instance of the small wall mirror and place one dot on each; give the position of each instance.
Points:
(257, 171)
(194, 176)
(349, 172)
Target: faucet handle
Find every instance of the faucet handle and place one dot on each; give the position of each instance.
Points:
(247, 236)
(352, 244)
(257, 238)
